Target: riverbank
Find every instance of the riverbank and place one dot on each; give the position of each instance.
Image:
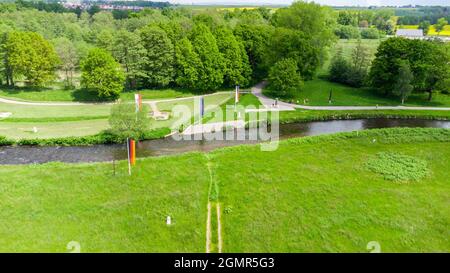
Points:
(321, 187)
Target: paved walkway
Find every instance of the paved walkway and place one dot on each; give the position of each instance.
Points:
(284, 106)
(212, 127)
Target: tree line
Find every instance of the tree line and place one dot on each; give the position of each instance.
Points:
(401, 67)
(202, 51)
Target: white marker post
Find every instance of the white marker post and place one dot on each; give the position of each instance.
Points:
(128, 154)
(168, 221)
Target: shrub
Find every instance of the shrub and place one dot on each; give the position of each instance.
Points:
(347, 32)
(126, 122)
(370, 33)
(4, 141)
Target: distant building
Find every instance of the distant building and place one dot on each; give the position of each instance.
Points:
(410, 33)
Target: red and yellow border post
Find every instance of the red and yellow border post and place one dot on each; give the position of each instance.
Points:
(131, 150)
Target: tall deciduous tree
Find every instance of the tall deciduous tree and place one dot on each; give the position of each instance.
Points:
(440, 25)
(289, 43)
(205, 45)
(314, 21)
(131, 54)
(159, 65)
(237, 70)
(69, 58)
(255, 39)
(403, 86)
(428, 63)
(284, 77)
(188, 64)
(102, 74)
(30, 55)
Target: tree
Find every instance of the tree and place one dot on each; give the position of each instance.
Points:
(428, 63)
(69, 58)
(284, 77)
(30, 55)
(425, 26)
(188, 64)
(237, 70)
(102, 74)
(205, 45)
(126, 122)
(314, 21)
(346, 18)
(347, 32)
(159, 63)
(403, 87)
(255, 40)
(339, 68)
(289, 43)
(131, 54)
(440, 25)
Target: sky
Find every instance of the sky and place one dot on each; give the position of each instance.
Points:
(324, 2)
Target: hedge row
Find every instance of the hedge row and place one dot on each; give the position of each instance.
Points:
(105, 137)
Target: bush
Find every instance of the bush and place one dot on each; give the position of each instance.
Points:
(370, 33)
(284, 78)
(105, 137)
(126, 122)
(4, 141)
(347, 32)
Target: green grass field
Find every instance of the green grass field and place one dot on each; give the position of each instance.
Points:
(317, 90)
(79, 120)
(312, 194)
(58, 94)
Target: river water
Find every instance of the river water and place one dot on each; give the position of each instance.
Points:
(169, 146)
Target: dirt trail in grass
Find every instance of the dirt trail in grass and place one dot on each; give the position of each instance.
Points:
(213, 201)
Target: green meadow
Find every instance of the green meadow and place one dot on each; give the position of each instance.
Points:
(313, 194)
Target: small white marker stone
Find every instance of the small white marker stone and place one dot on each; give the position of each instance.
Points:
(168, 221)
(35, 130)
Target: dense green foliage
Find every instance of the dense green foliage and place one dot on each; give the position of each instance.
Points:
(284, 78)
(29, 55)
(427, 61)
(351, 72)
(202, 50)
(102, 74)
(126, 121)
(105, 137)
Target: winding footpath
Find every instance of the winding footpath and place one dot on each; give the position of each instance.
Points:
(269, 103)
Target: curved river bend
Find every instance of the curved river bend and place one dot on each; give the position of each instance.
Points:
(168, 146)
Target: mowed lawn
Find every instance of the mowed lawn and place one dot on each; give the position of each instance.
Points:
(320, 197)
(58, 94)
(44, 207)
(25, 130)
(317, 92)
(81, 120)
(312, 194)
